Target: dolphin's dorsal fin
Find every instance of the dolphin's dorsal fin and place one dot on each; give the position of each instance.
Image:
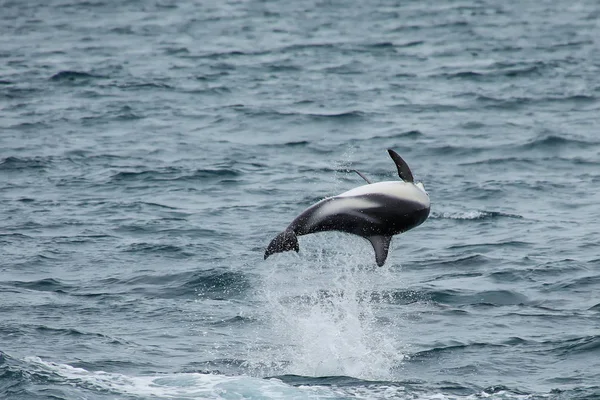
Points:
(362, 176)
(403, 170)
(381, 245)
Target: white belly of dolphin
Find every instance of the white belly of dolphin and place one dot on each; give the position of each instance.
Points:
(341, 205)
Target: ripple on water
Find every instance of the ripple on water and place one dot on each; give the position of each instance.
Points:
(74, 77)
(27, 163)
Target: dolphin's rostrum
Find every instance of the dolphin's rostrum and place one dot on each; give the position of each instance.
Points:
(375, 211)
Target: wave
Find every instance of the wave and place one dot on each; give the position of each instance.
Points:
(492, 102)
(576, 283)
(415, 295)
(501, 69)
(548, 142)
(534, 161)
(342, 115)
(445, 24)
(299, 143)
(211, 284)
(457, 151)
(411, 134)
(73, 76)
(23, 163)
(510, 275)
(507, 243)
(300, 380)
(494, 298)
(176, 50)
(39, 378)
(43, 285)
(313, 146)
(216, 284)
(237, 320)
(215, 172)
(217, 90)
(517, 102)
(52, 331)
(176, 174)
(459, 261)
(17, 236)
(454, 347)
(67, 381)
(463, 74)
(348, 68)
(144, 85)
(584, 345)
(503, 161)
(410, 296)
(162, 249)
(217, 55)
(473, 215)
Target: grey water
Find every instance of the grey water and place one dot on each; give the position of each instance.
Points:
(150, 150)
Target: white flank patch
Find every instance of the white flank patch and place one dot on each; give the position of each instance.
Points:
(341, 205)
(398, 189)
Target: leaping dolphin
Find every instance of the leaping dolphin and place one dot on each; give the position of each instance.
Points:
(375, 211)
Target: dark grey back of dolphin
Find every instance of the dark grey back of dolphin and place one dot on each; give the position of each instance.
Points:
(403, 169)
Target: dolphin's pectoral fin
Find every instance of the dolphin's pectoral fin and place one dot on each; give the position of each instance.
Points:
(403, 169)
(381, 245)
(362, 176)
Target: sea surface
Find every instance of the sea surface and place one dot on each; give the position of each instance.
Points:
(150, 150)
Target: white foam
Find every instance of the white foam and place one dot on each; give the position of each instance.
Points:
(466, 215)
(221, 387)
(183, 385)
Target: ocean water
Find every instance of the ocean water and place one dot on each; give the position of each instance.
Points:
(150, 150)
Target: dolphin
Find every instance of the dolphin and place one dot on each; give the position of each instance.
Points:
(375, 211)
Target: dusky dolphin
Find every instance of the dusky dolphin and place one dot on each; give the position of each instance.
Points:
(375, 211)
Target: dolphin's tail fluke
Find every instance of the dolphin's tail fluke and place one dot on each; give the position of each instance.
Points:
(285, 241)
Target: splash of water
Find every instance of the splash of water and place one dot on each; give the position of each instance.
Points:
(323, 317)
